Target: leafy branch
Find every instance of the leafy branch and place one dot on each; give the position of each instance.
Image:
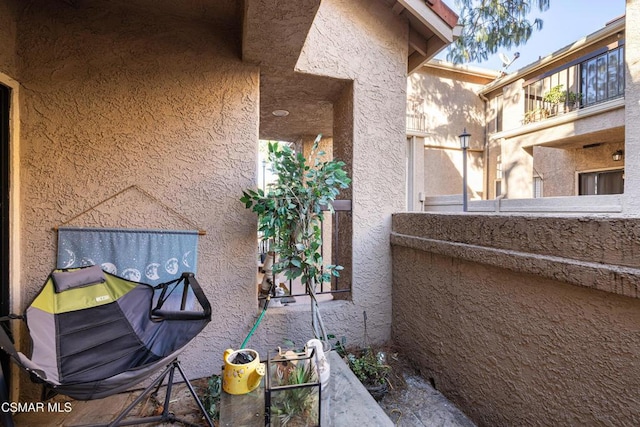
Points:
(492, 24)
(290, 212)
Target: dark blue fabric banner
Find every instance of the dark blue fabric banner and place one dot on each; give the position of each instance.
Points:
(148, 256)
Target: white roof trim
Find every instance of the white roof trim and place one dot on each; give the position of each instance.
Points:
(429, 18)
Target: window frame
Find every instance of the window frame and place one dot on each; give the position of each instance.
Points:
(600, 170)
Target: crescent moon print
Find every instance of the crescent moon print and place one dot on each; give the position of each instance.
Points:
(152, 271)
(185, 259)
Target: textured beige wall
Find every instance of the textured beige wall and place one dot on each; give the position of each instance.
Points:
(449, 103)
(559, 168)
(341, 44)
(8, 38)
(504, 340)
(443, 172)
(114, 97)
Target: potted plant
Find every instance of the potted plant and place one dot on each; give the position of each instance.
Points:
(290, 216)
(371, 368)
(555, 96)
(575, 100)
(535, 115)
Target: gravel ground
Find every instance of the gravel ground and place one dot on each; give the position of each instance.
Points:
(413, 402)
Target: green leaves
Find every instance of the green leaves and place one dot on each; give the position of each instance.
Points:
(290, 211)
(492, 24)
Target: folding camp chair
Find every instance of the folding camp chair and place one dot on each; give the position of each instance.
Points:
(95, 334)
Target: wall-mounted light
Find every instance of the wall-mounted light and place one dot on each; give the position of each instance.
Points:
(280, 113)
(617, 155)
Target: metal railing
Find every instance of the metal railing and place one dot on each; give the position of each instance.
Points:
(589, 80)
(416, 122)
(339, 207)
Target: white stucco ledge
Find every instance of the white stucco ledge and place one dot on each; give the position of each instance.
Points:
(595, 253)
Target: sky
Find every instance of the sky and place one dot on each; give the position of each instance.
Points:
(563, 23)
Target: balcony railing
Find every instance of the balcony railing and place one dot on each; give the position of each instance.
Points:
(590, 80)
(329, 251)
(416, 122)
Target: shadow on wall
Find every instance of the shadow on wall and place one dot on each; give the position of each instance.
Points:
(446, 107)
(449, 106)
(516, 183)
(447, 178)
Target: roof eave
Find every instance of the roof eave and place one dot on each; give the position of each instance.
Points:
(433, 17)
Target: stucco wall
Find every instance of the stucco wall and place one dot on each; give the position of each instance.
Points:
(115, 97)
(7, 38)
(559, 168)
(449, 103)
(341, 44)
(484, 306)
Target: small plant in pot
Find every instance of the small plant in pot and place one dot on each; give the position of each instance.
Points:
(575, 100)
(371, 368)
(290, 214)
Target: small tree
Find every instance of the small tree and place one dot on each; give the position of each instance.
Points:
(290, 214)
(490, 24)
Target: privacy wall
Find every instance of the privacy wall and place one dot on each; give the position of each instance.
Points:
(522, 320)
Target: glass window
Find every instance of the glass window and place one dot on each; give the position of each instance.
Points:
(603, 182)
(612, 74)
(498, 187)
(499, 113)
(537, 187)
(603, 77)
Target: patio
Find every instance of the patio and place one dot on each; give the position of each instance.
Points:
(346, 404)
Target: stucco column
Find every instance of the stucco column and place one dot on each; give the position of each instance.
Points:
(631, 199)
(517, 171)
(517, 164)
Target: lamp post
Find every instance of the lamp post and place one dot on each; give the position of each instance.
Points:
(464, 144)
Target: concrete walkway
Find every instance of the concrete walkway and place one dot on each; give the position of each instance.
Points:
(420, 405)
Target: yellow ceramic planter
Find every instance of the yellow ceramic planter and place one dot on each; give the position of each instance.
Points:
(241, 378)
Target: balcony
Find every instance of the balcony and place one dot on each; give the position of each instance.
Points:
(585, 82)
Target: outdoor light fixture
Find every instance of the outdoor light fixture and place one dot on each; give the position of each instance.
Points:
(464, 144)
(280, 113)
(617, 156)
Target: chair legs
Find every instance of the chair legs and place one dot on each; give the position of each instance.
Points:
(166, 416)
(5, 416)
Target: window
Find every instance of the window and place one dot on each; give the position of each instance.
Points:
(603, 77)
(498, 187)
(585, 81)
(495, 118)
(601, 182)
(537, 187)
